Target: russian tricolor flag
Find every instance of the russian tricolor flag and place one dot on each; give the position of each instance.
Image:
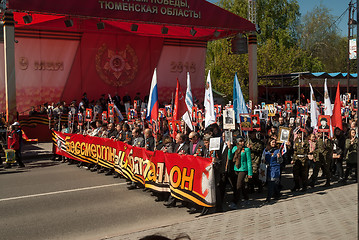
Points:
(152, 108)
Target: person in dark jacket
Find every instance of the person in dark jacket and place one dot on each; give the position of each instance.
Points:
(351, 147)
(149, 140)
(112, 132)
(181, 146)
(338, 154)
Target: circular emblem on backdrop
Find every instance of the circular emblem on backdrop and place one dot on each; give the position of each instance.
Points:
(24, 63)
(117, 63)
(116, 67)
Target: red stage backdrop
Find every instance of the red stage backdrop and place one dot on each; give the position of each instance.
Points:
(49, 70)
(56, 61)
(175, 62)
(109, 63)
(187, 177)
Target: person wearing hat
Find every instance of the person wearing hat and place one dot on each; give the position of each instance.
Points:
(241, 156)
(300, 161)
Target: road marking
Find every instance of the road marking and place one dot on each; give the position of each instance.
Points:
(59, 192)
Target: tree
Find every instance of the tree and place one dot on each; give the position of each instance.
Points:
(277, 19)
(319, 36)
(278, 52)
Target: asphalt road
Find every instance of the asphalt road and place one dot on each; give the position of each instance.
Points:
(49, 200)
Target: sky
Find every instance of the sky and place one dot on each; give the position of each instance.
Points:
(336, 8)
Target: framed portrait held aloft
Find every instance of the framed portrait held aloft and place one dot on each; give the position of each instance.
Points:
(284, 134)
(229, 119)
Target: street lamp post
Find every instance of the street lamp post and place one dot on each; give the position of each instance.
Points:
(348, 59)
(351, 24)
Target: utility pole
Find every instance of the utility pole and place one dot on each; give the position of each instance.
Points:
(348, 59)
(351, 25)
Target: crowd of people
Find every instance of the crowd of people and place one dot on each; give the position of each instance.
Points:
(240, 161)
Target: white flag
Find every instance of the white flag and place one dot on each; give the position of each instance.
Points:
(210, 117)
(314, 112)
(189, 102)
(327, 104)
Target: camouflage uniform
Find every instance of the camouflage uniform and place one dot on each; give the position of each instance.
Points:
(257, 148)
(322, 154)
(300, 163)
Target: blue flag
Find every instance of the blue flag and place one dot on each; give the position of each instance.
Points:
(239, 105)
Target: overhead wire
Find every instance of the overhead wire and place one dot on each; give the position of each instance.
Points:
(339, 17)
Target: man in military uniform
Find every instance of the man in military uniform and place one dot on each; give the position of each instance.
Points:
(257, 147)
(300, 162)
(322, 158)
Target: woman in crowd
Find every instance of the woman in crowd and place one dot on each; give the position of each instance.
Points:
(241, 156)
(273, 159)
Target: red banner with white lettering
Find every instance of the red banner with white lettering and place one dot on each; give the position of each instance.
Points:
(187, 177)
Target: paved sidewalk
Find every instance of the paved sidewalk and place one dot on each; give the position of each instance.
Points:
(326, 213)
(35, 151)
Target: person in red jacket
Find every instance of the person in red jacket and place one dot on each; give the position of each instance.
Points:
(13, 142)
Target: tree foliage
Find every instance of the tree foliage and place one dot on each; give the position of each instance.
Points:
(320, 37)
(278, 48)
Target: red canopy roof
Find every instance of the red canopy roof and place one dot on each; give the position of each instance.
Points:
(179, 16)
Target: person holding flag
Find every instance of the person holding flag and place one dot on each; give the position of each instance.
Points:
(273, 158)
